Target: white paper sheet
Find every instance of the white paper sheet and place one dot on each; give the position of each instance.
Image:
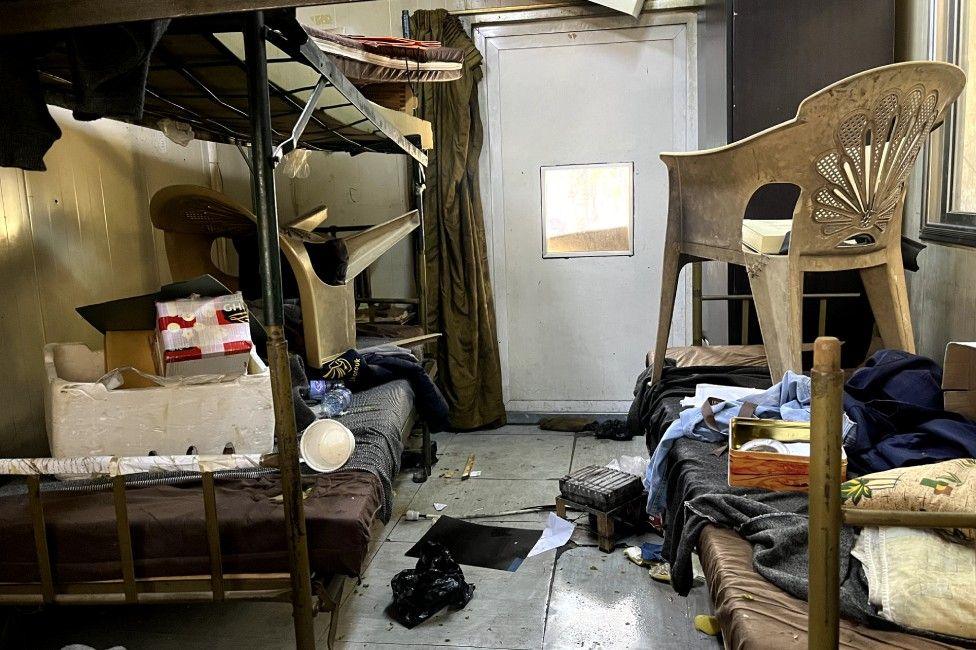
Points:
(557, 532)
(704, 391)
(439, 506)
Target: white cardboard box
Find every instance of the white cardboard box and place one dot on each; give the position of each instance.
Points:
(84, 418)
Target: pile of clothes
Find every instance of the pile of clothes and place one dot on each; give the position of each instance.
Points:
(894, 425)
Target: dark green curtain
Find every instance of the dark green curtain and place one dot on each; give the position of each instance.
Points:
(459, 298)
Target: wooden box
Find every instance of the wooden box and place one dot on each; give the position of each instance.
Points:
(778, 472)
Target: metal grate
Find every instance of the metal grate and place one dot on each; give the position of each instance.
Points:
(194, 77)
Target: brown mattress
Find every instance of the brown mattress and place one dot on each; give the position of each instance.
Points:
(755, 614)
(169, 535)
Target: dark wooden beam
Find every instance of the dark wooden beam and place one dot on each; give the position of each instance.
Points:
(23, 16)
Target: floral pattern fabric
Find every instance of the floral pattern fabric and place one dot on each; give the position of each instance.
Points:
(940, 487)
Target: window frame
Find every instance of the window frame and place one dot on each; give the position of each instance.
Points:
(632, 223)
(939, 156)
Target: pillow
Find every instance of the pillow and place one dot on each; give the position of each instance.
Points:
(918, 580)
(939, 487)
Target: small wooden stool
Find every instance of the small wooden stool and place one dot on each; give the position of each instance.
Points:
(606, 538)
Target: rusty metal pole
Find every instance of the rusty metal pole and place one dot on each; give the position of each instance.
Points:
(825, 516)
(263, 195)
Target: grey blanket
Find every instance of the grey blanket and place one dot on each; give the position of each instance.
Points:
(775, 523)
(379, 418)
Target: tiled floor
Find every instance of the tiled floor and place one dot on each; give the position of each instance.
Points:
(582, 599)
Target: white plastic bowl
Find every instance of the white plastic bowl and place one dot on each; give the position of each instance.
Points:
(327, 445)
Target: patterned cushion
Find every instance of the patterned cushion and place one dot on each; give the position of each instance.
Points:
(940, 487)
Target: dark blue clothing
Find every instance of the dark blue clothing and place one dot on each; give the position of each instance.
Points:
(896, 402)
(360, 372)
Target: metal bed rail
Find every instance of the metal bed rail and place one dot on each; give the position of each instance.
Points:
(826, 514)
(128, 588)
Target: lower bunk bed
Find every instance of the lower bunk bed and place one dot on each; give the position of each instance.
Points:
(753, 544)
(190, 537)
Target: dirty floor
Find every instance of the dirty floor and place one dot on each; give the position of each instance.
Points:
(584, 599)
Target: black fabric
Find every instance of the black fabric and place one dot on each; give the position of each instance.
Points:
(28, 129)
(360, 372)
(775, 523)
(896, 402)
(910, 250)
(110, 65)
(653, 409)
(109, 69)
(611, 430)
(330, 259)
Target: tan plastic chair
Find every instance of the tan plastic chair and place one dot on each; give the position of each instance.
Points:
(849, 150)
(193, 217)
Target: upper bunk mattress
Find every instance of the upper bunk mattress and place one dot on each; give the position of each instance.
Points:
(169, 536)
(367, 60)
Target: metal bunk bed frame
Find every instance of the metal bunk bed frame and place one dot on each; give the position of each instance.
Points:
(826, 514)
(23, 16)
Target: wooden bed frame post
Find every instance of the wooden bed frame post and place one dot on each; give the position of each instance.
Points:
(825, 515)
(263, 196)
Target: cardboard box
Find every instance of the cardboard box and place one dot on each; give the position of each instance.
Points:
(204, 335)
(86, 418)
(769, 470)
(959, 378)
(138, 313)
(135, 349)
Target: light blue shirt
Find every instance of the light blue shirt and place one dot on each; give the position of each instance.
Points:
(787, 400)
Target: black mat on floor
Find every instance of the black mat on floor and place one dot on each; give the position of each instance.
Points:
(491, 547)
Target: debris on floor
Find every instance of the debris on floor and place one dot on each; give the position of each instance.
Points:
(557, 533)
(491, 547)
(467, 468)
(707, 624)
(635, 465)
(646, 555)
(612, 430)
(439, 506)
(651, 552)
(568, 423)
(436, 582)
(413, 515)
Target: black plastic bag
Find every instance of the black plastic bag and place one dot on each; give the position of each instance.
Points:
(436, 583)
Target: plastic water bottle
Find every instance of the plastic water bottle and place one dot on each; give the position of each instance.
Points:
(331, 398)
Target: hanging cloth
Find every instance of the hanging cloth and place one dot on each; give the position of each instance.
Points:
(459, 297)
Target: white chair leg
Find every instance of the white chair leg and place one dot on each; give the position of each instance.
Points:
(888, 295)
(670, 269)
(778, 295)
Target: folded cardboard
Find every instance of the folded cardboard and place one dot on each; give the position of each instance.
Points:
(959, 378)
(86, 417)
(132, 349)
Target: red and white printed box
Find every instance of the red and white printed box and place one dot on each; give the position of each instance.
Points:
(204, 336)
